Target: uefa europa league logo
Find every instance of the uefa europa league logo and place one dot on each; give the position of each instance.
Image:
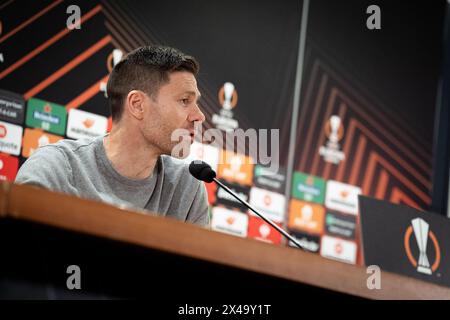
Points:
(334, 130)
(228, 98)
(228, 90)
(422, 232)
(335, 123)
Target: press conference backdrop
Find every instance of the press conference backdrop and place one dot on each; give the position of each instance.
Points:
(365, 123)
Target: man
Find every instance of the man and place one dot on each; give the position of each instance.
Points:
(152, 92)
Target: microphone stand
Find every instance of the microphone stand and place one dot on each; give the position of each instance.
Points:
(284, 233)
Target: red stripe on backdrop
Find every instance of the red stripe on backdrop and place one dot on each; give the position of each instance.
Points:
(375, 159)
(87, 94)
(400, 197)
(46, 44)
(30, 20)
(358, 160)
(382, 185)
(69, 66)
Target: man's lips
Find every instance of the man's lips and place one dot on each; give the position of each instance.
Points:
(191, 136)
(188, 134)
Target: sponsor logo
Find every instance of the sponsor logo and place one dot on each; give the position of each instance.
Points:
(334, 131)
(268, 179)
(12, 107)
(223, 197)
(228, 98)
(10, 138)
(307, 241)
(338, 249)
(35, 138)
(82, 124)
(45, 115)
(308, 188)
(306, 216)
(342, 197)
(269, 203)
(340, 225)
(229, 221)
(235, 167)
(260, 230)
(420, 229)
(8, 167)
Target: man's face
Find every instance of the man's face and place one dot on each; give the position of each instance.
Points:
(173, 107)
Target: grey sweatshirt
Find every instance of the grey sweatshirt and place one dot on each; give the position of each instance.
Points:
(82, 168)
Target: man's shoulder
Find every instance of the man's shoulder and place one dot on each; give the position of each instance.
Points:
(68, 145)
(65, 147)
(177, 170)
(51, 166)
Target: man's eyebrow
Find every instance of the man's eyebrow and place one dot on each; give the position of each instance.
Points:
(193, 93)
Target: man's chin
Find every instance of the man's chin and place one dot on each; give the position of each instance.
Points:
(181, 150)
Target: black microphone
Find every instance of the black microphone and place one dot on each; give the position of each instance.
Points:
(203, 172)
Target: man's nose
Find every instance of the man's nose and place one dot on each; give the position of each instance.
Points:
(197, 115)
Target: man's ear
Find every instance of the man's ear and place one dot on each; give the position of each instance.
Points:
(135, 104)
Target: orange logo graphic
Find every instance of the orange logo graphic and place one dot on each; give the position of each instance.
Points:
(338, 248)
(228, 96)
(344, 194)
(35, 138)
(230, 220)
(88, 122)
(267, 200)
(235, 168)
(306, 216)
(421, 231)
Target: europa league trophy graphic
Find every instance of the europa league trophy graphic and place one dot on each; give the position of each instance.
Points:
(334, 131)
(228, 89)
(421, 228)
(228, 100)
(335, 122)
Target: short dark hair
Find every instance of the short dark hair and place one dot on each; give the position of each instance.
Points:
(145, 69)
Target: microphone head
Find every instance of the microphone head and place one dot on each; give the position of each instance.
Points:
(202, 171)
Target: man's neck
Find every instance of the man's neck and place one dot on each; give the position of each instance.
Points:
(130, 154)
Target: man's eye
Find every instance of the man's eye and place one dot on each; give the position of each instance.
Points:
(185, 101)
